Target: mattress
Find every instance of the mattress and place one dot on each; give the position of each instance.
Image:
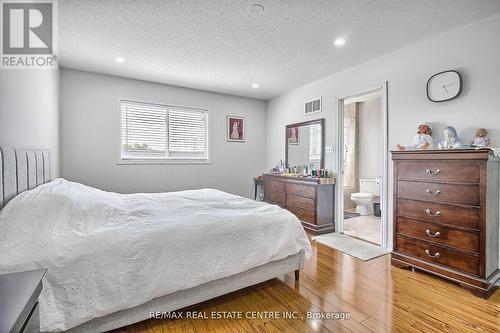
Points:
(107, 252)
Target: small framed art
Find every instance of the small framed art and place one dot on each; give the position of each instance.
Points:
(235, 129)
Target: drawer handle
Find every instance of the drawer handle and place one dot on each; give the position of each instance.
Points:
(438, 192)
(434, 173)
(433, 256)
(275, 185)
(429, 233)
(300, 203)
(300, 189)
(428, 211)
(300, 214)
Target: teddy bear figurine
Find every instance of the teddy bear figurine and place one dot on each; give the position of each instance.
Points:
(481, 140)
(421, 141)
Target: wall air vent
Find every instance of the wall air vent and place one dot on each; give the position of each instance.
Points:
(312, 106)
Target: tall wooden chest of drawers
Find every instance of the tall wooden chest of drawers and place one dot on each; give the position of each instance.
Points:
(446, 215)
(311, 200)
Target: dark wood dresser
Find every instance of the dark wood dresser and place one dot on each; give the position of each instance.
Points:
(19, 301)
(446, 206)
(311, 200)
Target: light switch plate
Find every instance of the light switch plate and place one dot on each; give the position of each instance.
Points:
(329, 149)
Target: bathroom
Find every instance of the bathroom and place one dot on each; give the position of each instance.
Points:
(363, 156)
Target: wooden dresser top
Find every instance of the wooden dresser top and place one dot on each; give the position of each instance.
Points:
(311, 181)
(453, 154)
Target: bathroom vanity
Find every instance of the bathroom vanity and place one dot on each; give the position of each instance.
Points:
(310, 199)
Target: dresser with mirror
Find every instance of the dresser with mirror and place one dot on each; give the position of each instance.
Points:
(304, 188)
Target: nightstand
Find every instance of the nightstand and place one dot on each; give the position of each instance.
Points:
(19, 301)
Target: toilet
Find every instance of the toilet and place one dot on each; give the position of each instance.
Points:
(369, 190)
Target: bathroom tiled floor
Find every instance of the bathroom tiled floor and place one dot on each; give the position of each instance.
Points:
(363, 227)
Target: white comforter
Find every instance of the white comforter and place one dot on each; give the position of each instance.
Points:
(107, 252)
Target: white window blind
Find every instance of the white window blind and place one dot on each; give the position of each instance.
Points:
(153, 131)
(187, 132)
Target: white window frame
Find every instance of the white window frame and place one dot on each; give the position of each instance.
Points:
(166, 160)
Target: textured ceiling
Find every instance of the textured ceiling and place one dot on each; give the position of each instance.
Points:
(217, 45)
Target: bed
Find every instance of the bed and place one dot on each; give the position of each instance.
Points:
(114, 258)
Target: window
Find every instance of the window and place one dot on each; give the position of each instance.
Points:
(152, 132)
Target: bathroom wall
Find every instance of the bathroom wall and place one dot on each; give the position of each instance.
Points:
(370, 139)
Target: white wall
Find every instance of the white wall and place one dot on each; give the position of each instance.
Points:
(473, 50)
(29, 116)
(370, 139)
(90, 137)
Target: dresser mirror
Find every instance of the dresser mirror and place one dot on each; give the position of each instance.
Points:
(305, 144)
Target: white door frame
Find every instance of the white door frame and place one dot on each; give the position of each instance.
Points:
(339, 162)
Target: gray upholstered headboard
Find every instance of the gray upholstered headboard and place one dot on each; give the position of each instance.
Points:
(22, 169)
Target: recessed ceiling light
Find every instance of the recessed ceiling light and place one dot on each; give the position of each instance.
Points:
(255, 85)
(119, 60)
(339, 42)
(256, 9)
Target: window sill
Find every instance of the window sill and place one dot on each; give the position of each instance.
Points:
(172, 161)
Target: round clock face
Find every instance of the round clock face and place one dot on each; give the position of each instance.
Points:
(444, 86)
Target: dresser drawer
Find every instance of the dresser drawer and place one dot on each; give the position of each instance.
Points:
(433, 192)
(273, 197)
(459, 239)
(439, 171)
(301, 190)
(463, 216)
(300, 202)
(274, 186)
(433, 253)
(303, 214)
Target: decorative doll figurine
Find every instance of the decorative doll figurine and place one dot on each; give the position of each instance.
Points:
(481, 140)
(450, 140)
(421, 141)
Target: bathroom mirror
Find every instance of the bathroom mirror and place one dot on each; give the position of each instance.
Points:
(305, 144)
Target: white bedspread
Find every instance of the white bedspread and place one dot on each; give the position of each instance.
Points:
(107, 252)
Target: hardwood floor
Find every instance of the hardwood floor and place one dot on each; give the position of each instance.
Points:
(379, 298)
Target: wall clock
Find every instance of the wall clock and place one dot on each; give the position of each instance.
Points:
(444, 86)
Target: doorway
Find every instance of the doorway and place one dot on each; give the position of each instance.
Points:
(361, 189)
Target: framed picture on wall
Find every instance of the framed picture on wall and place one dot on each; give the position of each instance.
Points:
(235, 129)
(292, 135)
